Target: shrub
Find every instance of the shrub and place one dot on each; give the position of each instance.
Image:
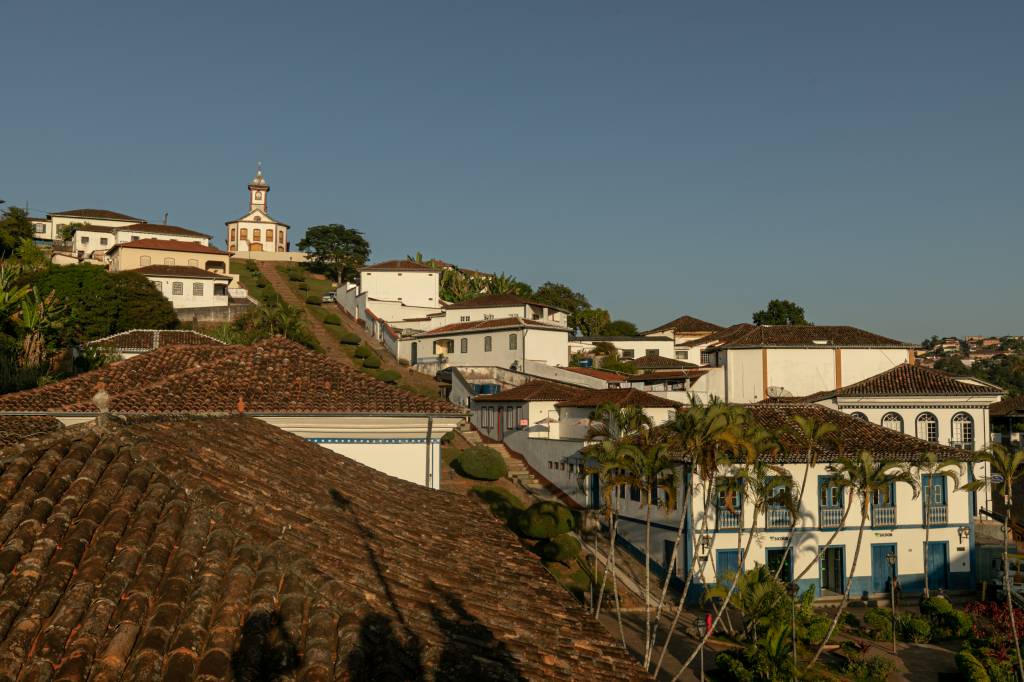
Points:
(372, 362)
(312, 300)
(562, 548)
(946, 621)
(731, 668)
(878, 623)
(851, 620)
(869, 669)
(914, 629)
(546, 520)
(260, 284)
(349, 339)
(446, 439)
(303, 287)
(296, 277)
(390, 376)
(363, 352)
(815, 631)
(332, 319)
(481, 463)
(970, 667)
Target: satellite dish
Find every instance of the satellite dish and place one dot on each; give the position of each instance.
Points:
(778, 392)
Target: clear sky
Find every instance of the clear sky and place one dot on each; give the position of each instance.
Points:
(863, 158)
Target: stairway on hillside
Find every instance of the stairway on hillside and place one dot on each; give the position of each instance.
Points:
(518, 472)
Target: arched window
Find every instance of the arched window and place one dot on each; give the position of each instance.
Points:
(255, 234)
(928, 427)
(859, 415)
(259, 195)
(963, 431)
(280, 236)
(892, 420)
(487, 344)
(464, 345)
(513, 341)
(245, 233)
(269, 236)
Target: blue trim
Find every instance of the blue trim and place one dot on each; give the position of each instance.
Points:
(970, 525)
(418, 441)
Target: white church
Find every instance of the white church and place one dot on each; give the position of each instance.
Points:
(256, 230)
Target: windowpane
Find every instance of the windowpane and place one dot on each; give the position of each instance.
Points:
(177, 288)
(197, 288)
(487, 344)
(513, 341)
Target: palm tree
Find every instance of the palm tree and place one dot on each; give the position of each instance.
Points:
(863, 476)
(1005, 469)
(815, 433)
(932, 467)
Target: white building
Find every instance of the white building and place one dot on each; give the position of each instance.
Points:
(497, 306)
(48, 229)
(188, 287)
(256, 231)
(628, 347)
(502, 342)
(684, 330)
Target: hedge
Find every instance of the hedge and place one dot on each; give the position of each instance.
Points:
(303, 287)
(363, 352)
(914, 629)
(390, 376)
(332, 319)
(296, 277)
(481, 463)
(372, 362)
(312, 300)
(972, 669)
(349, 339)
(562, 548)
(946, 621)
(546, 520)
(879, 624)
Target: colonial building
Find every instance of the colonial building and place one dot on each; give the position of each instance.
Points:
(48, 229)
(684, 330)
(501, 342)
(256, 230)
(188, 274)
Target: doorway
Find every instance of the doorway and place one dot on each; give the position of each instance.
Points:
(938, 565)
(414, 351)
(833, 564)
(881, 571)
(773, 559)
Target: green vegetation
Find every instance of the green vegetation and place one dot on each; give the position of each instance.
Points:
(868, 668)
(14, 227)
(481, 463)
(544, 520)
(372, 362)
(946, 621)
(971, 668)
(332, 319)
(336, 251)
(390, 376)
(501, 502)
(363, 351)
(349, 339)
(313, 300)
(561, 548)
(271, 319)
(253, 280)
(780, 312)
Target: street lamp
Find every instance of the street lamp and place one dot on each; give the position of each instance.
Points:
(792, 588)
(891, 558)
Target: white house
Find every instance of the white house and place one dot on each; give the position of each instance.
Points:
(188, 287)
(685, 330)
(501, 342)
(495, 306)
(529, 407)
(628, 347)
(48, 229)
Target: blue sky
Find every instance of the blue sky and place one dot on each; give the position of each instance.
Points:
(863, 159)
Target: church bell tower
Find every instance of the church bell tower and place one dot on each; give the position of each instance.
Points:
(258, 190)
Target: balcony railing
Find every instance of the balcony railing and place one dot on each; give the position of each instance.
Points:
(883, 516)
(830, 517)
(962, 444)
(728, 519)
(937, 514)
(779, 517)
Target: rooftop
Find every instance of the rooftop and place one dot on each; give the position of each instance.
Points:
(686, 324)
(497, 301)
(164, 229)
(143, 340)
(915, 379)
(598, 373)
(1010, 406)
(97, 213)
(169, 245)
(183, 271)
(484, 325)
(638, 339)
(646, 362)
(533, 390)
(797, 336)
(224, 548)
(618, 396)
(399, 265)
(275, 376)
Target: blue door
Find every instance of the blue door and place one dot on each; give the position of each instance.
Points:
(938, 565)
(880, 569)
(595, 492)
(727, 563)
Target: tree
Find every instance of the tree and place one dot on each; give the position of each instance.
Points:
(863, 477)
(14, 226)
(780, 312)
(621, 328)
(593, 321)
(952, 364)
(561, 296)
(932, 467)
(336, 250)
(1008, 466)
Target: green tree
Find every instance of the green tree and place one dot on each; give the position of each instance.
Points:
(952, 364)
(863, 477)
(593, 321)
(336, 250)
(780, 312)
(561, 296)
(621, 328)
(14, 226)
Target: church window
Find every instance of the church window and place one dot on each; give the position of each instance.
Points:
(269, 236)
(168, 261)
(255, 234)
(144, 261)
(280, 236)
(257, 219)
(232, 234)
(177, 288)
(245, 233)
(197, 288)
(259, 195)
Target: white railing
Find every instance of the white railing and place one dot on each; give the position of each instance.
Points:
(830, 517)
(937, 514)
(883, 516)
(779, 517)
(728, 519)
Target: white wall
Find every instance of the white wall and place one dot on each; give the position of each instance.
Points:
(187, 299)
(413, 288)
(527, 312)
(860, 363)
(539, 345)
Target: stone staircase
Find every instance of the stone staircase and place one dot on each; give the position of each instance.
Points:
(518, 472)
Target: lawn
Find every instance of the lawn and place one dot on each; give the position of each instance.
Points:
(251, 280)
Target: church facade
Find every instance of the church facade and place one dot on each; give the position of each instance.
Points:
(256, 230)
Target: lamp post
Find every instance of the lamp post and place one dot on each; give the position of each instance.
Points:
(792, 588)
(891, 558)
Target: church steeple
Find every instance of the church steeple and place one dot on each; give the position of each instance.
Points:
(258, 190)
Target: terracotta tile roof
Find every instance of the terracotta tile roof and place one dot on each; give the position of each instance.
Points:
(399, 265)
(97, 213)
(169, 245)
(687, 373)
(909, 379)
(16, 428)
(806, 336)
(228, 549)
(142, 340)
(722, 336)
(597, 373)
(686, 324)
(1011, 406)
(165, 229)
(645, 362)
(183, 271)
(273, 376)
(498, 301)
(618, 396)
(533, 390)
(638, 339)
(483, 325)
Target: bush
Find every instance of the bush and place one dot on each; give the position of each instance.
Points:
(481, 463)
(363, 352)
(914, 629)
(390, 376)
(446, 439)
(946, 621)
(332, 319)
(303, 287)
(878, 623)
(731, 668)
(546, 520)
(970, 667)
(562, 548)
(869, 669)
(349, 339)
(312, 300)
(814, 632)
(296, 277)
(260, 284)
(372, 362)
(851, 620)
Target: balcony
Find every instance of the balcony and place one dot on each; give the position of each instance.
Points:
(728, 520)
(962, 444)
(830, 517)
(883, 516)
(937, 515)
(778, 517)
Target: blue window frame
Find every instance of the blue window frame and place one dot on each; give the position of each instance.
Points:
(727, 561)
(934, 487)
(829, 494)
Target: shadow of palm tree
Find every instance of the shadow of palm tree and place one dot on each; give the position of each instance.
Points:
(470, 651)
(380, 655)
(265, 651)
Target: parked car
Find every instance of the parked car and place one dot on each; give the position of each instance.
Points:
(328, 297)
